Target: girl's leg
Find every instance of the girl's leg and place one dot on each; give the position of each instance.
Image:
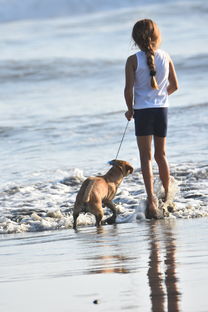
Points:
(160, 157)
(144, 145)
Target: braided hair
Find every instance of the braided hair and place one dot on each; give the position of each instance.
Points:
(146, 36)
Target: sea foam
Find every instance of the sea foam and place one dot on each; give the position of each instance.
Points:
(49, 206)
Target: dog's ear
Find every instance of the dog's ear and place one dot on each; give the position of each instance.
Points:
(129, 169)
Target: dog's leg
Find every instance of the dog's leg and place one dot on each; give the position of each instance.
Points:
(76, 212)
(97, 210)
(98, 218)
(112, 207)
(75, 216)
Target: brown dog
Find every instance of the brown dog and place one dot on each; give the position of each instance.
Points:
(98, 192)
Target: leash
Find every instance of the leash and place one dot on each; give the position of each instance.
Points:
(122, 140)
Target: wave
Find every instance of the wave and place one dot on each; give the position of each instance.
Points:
(57, 68)
(58, 129)
(48, 206)
(73, 68)
(196, 63)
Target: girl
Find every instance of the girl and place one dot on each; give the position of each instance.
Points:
(151, 75)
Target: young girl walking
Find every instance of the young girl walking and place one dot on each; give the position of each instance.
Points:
(150, 79)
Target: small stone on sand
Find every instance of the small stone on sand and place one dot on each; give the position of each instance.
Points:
(96, 301)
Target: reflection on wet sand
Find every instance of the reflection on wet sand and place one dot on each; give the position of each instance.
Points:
(108, 262)
(116, 250)
(109, 266)
(163, 283)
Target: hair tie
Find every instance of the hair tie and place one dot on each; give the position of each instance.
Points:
(152, 73)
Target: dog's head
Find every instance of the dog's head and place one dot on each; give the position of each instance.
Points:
(123, 165)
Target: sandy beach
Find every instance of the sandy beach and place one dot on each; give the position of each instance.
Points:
(145, 266)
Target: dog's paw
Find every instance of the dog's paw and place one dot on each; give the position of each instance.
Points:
(110, 220)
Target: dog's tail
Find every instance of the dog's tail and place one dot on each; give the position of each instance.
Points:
(86, 196)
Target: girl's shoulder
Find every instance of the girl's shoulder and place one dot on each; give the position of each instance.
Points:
(132, 61)
(140, 53)
(162, 53)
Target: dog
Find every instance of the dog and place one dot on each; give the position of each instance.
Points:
(98, 192)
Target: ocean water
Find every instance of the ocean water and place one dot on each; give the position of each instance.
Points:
(62, 107)
(62, 119)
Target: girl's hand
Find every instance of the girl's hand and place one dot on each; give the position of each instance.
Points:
(129, 115)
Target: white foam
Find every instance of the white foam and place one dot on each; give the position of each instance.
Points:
(49, 206)
(78, 174)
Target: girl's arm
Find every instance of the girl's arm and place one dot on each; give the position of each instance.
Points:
(173, 82)
(131, 65)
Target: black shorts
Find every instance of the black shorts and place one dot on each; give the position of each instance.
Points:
(151, 121)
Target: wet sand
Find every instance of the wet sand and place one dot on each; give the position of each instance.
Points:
(145, 266)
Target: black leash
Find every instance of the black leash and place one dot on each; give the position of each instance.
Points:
(122, 139)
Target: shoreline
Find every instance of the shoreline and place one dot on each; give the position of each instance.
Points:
(148, 265)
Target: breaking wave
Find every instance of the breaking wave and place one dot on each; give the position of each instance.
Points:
(48, 206)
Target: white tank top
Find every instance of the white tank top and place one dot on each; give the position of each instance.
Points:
(144, 95)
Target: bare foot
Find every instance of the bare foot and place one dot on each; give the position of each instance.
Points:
(165, 199)
(152, 208)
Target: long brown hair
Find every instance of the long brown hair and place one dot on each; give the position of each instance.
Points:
(146, 36)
